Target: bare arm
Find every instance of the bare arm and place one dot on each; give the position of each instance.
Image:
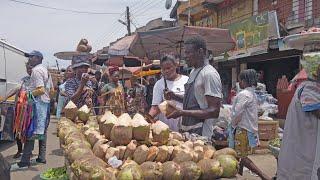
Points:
(154, 111)
(212, 111)
(79, 91)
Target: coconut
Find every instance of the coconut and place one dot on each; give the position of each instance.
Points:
(111, 151)
(229, 165)
(121, 133)
(200, 153)
(190, 170)
(187, 145)
(166, 108)
(183, 156)
(70, 111)
(140, 154)
(83, 113)
(141, 128)
(171, 171)
(174, 142)
(113, 171)
(176, 136)
(100, 148)
(198, 143)
(163, 154)
(152, 154)
(131, 148)
(151, 170)
(160, 132)
(107, 121)
(72, 137)
(208, 152)
(210, 169)
(122, 150)
(170, 152)
(93, 137)
(66, 130)
(130, 170)
(79, 153)
(225, 151)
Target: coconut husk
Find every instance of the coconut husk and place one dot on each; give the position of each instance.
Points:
(111, 151)
(131, 147)
(198, 143)
(83, 113)
(107, 121)
(210, 169)
(141, 128)
(208, 152)
(93, 137)
(152, 154)
(151, 170)
(183, 156)
(187, 145)
(121, 133)
(190, 170)
(122, 150)
(199, 152)
(170, 152)
(176, 136)
(100, 148)
(171, 171)
(163, 154)
(174, 142)
(130, 170)
(70, 111)
(66, 130)
(140, 154)
(225, 151)
(229, 164)
(160, 132)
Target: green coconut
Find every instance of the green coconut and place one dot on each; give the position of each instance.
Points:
(107, 121)
(152, 170)
(70, 111)
(130, 170)
(190, 170)
(84, 113)
(225, 151)
(229, 165)
(121, 133)
(160, 132)
(171, 171)
(66, 130)
(141, 128)
(210, 169)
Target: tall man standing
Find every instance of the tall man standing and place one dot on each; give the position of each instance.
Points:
(40, 87)
(203, 91)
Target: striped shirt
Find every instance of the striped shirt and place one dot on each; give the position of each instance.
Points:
(71, 88)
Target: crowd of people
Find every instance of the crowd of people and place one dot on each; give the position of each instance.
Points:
(195, 102)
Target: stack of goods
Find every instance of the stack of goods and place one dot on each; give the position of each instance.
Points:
(131, 148)
(83, 46)
(72, 112)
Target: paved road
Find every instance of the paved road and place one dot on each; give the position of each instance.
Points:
(55, 158)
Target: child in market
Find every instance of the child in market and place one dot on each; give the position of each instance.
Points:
(244, 122)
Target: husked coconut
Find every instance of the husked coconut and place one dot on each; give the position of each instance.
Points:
(198, 143)
(166, 108)
(121, 133)
(141, 128)
(171, 171)
(160, 132)
(151, 170)
(187, 145)
(190, 170)
(176, 136)
(210, 169)
(170, 152)
(184, 155)
(176, 151)
(100, 148)
(131, 147)
(93, 137)
(200, 153)
(229, 165)
(152, 154)
(174, 142)
(130, 170)
(225, 151)
(208, 152)
(108, 120)
(84, 113)
(111, 151)
(163, 154)
(70, 111)
(122, 150)
(140, 154)
(113, 171)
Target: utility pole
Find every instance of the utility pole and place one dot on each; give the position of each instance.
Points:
(128, 21)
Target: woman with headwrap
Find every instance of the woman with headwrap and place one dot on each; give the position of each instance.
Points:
(113, 92)
(244, 121)
(299, 156)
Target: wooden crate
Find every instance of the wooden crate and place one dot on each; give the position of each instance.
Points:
(268, 130)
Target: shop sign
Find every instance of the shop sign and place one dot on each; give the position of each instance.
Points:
(252, 35)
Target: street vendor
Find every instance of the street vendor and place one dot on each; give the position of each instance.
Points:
(203, 91)
(243, 133)
(79, 88)
(299, 156)
(170, 82)
(112, 94)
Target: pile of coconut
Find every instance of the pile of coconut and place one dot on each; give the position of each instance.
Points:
(72, 112)
(150, 151)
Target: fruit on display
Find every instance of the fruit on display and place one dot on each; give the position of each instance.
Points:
(140, 154)
(130, 170)
(83, 113)
(141, 128)
(152, 170)
(190, 170)
(121, 133)
(171, 170)
(107, 121)
(160, 132)
(225, 151)
(100, 148)
(210, 169)
(229, 165)
(70, 111)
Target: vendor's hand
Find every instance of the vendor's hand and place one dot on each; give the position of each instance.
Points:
(174, 112)
(85, 78)
(168, 95)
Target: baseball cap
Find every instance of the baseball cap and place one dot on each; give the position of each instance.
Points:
(80, 60)
(34, 53)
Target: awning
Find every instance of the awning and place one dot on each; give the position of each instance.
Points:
(122, 46)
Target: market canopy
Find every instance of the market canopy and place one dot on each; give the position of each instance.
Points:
(153, 44)
(122, 46)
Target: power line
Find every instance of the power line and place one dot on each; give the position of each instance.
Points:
(60, 9)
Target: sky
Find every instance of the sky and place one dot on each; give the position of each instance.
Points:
(49, 31)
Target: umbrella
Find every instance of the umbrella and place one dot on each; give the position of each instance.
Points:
(153, 44)
(122, 46)
(68, 55)
(128, 61)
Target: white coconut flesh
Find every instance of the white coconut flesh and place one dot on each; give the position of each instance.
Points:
(109, 118)
(124, 120)
(159, 127)
(138, 120)
(85, 109)
(70, 105)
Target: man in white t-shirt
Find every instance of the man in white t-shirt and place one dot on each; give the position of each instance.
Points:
(203, 91)
(171, 82)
